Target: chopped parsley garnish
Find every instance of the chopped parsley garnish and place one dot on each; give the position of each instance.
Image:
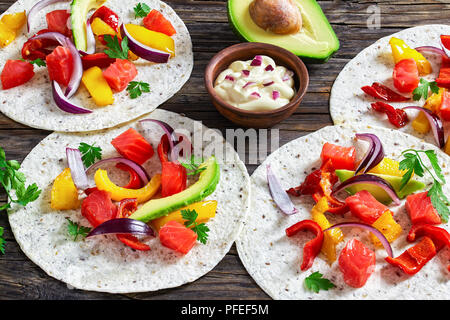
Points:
(89, 153)
(200, 229)
(141, 10)
(39, 62)
(116, 49)
(315, 282)
(2, 241)
(75, 230)
(12, 179)
(423, 88)
(194, 166)
(413, 163)
(136, 88)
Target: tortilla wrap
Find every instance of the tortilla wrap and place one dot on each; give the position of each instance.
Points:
(273, 259)
(349, 104)
(103, 263)
(32, 103)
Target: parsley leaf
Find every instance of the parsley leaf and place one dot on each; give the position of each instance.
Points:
(315, 282)
(194, 166)
(116, 49)
(136, 88)
(423, 88)
(141, 10)
(12, 179)
(2, 241)
(76, 230)
(39, 62)
(200, 229)
(413, 163)
(89, 153)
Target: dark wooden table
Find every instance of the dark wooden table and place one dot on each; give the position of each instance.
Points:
(208, 25)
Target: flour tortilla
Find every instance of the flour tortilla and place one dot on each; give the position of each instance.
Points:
(349, 104)
(273, 259)
(32, 103)
(103, 263)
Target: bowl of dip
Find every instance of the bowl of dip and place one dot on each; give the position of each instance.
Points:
(256, 85)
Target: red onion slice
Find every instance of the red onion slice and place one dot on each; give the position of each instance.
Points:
(269, 68)
(90, 38)
(246, 73)
(257, 61)
(435, 123)
(431, 49)
(122, 226)
(369, 179)
(140, 171)
(38, 7)
(76, 166)
(248, 84)
(376, 232)
(255, 95)
(268, 83)
(374, 155)
(288, 75)
(275, 94)
(170, 133)
(230, 78)
(143, 51)
(64, 103)
(279, 195)
(77, 72)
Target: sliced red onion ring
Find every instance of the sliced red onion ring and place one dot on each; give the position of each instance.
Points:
(228, 77)
(255, 95)
(435, 123)
(248, 84)
(431, 49)
(246, 72)
(38, 7)
(269, 68)
(170, 133)
(375, 231)
(143, 51)
(140, 171)
(369, 179)
(64, 103)
(374, 155)
(122, 226)
(257, 61)
(77, 72)
(275, 94)
(90, 38)
(76, 166)
(279, 195)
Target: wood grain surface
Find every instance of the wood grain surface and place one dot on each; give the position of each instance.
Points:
(208, 24)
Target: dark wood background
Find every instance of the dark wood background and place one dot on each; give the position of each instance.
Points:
(210, 32)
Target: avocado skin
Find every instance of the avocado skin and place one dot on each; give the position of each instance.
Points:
(145, 216)
(378, 193)
(305, 58)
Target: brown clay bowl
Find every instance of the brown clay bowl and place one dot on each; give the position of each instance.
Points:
(247, 51)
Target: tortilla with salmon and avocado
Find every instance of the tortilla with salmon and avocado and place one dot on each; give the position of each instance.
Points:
(387, 243)
(118, 233)
(121, 80)
(390, 75)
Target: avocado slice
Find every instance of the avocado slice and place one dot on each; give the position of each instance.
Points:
(78, 18)
(377, 192)
(316, 42)
(206, 184)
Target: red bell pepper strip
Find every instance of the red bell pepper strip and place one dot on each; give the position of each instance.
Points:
(173, 175)
(397, 117)
(380, 91)
(38, 48)
(135, 182)
(414, 258)
(125, 208)
(308, 187)
(443, 80)
(445, 39)
(108, 16)
(440, 236)
(101, 60)
(312, 247)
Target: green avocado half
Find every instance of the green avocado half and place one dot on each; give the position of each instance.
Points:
(315, 42)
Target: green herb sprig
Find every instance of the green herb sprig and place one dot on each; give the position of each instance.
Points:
(39, 62)
(413, 164)
(315, 282)
(141, 10)
(194, 166)
(423, 88)
(75, 230)
(2, 241)
(200, 229)
(116, 49)
(136, 88)
(89, 153)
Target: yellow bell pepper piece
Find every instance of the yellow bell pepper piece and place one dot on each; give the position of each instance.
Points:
(388, 227)
(447, 147)
(332, 237)
(144, 194)
(389, 167)
(64, 194)
(152, 39)
(98, 87)
(205, 210)
(400, 51)
(7, 35)
(433, 103)
(99, 27)
(15, 21)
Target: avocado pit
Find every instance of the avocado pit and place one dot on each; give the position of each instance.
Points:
(277, 16)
